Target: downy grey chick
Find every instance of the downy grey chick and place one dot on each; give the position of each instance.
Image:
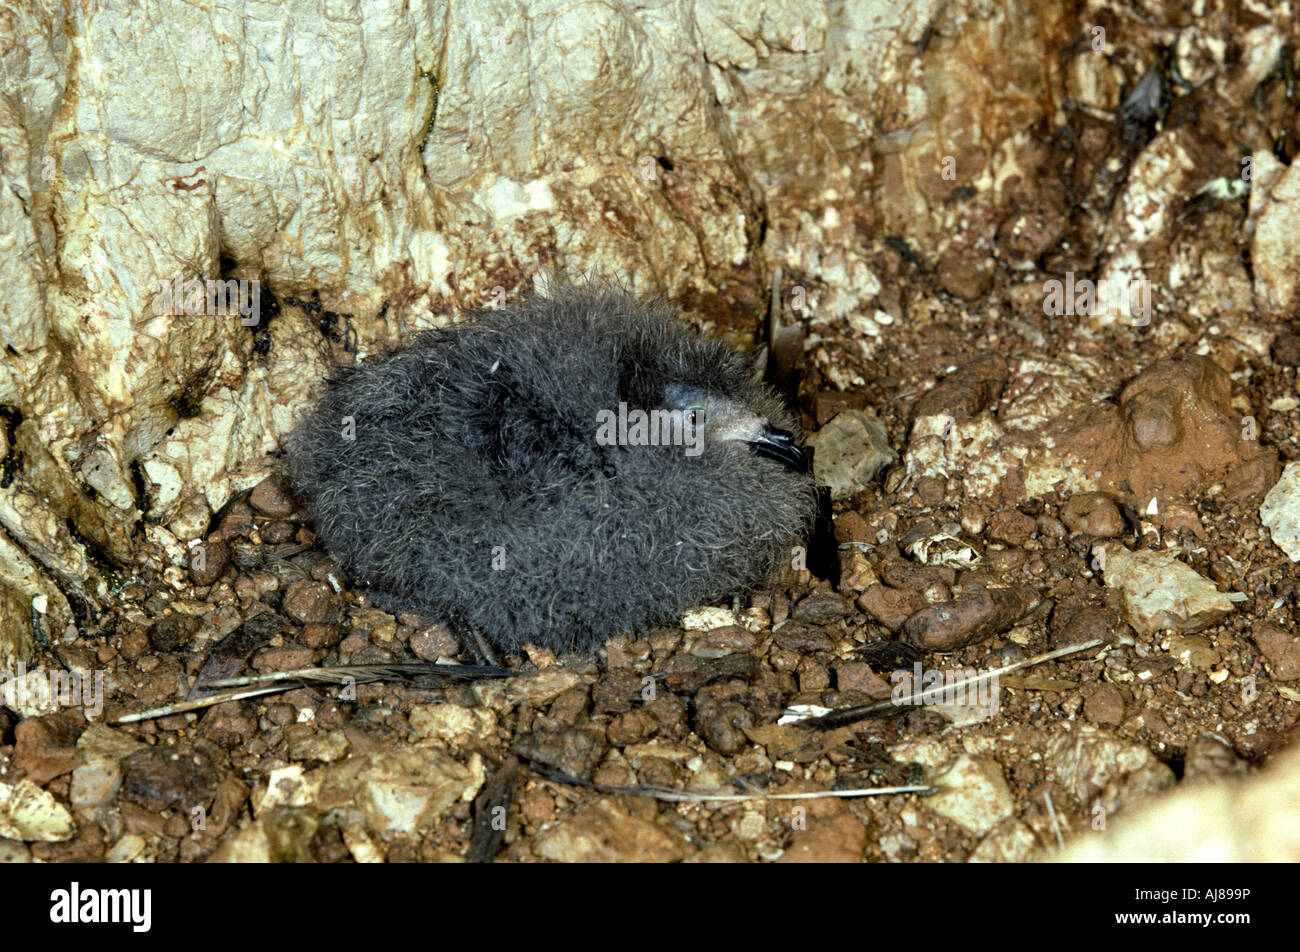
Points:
(497, 472)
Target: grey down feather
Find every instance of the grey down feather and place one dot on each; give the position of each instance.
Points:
(471, 484)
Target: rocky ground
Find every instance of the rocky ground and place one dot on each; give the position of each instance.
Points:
(1198, 679)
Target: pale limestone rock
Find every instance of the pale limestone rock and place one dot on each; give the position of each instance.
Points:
(708, 618)
(127, 849)
(1089, 763)
(1158, 184)
(452, 724)
(850, 450)
(398, 791)
(248, 845)
(31, 814)
(95, 786)
(1010, 843)
(973, 794)
(1280, 512)
(101, 743)
(1275, 248)
(1232, 821)
(1160, 592)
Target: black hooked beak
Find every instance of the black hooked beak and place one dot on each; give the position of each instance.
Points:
(778, 444)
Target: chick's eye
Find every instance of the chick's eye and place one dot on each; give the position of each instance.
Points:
(695, 416)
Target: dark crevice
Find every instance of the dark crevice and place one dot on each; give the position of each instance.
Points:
(12, 464)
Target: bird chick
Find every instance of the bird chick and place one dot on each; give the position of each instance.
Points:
(556, 472)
